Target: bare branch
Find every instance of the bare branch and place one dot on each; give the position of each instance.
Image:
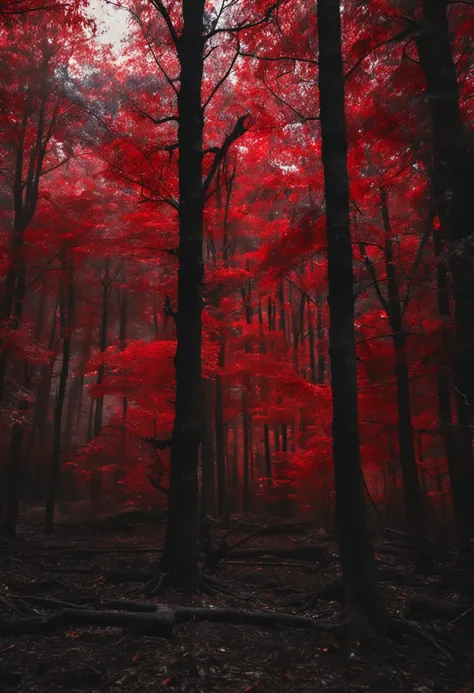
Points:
(220, 153)
(371, 269)
(282, 58)
(223, 78)
(405, 34)
(419, 253)
(245, 25)
(302, 117)
(165, 14)
(156, 121)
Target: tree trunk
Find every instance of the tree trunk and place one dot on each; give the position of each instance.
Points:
(180, 555)
(461, 489)
(67, 311)
(312, 359)
(246, 437)
(320, 329)
(99, 402)
(13, 481)
(208, 485)
(365, 606)
(412, 494)
(453, 183)
(123, 305)
(220, 436)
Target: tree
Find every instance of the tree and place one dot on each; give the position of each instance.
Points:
(365, 607)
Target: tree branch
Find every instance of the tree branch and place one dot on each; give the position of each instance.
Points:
(165, 14)
(169, 312)
(288, 105)
(156, 121)
(419, 253)
(240, 129)
(244, 26)
(371, 269)
(157, 443)
(224, 78)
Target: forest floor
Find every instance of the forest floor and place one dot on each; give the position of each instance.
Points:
(76, 568)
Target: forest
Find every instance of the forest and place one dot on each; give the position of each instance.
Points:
(237, 345)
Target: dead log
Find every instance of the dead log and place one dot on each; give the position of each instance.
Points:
(160, 625)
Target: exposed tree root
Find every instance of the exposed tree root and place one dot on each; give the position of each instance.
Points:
(402, 627)
(155, 585)
(159, 583)
(442, 609)
(160, 623)
(147, 624)
(334, 590)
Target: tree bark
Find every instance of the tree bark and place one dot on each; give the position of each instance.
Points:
(67, 316)
(99, 402)
(208, 485)
(180, 556)
(365, 606)
(453, 183)
(220, 435)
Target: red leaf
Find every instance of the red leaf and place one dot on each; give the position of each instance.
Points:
(169, 681)
(253, 687)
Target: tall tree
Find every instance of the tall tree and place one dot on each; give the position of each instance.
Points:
(365, 607)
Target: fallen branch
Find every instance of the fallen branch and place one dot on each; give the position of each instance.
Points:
(302, 553)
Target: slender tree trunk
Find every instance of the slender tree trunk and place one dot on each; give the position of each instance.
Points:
(413, 497)
(312, 359)
(123, 304)
(180, 555)
(220, 436)
(99, 403)
(321, 357)
(263, 389)
(90, 421)
(364, 601)
(246, 436)
(208, 484)
(13, 480)
(67, 311)
(281, 303)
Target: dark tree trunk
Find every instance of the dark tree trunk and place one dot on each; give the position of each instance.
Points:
(412, 494)
(453, 183)
(266, 427)
(13, 481)
(208, 467)
(99, 402)
(321, 358)
(281, 302)
(220, 436)
(246, 437)
(460, 490)
(123, 305)
(180, 555)
(356, 552)
(66, 311)
(312, 358)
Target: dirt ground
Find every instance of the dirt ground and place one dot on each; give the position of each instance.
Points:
(75, 567)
